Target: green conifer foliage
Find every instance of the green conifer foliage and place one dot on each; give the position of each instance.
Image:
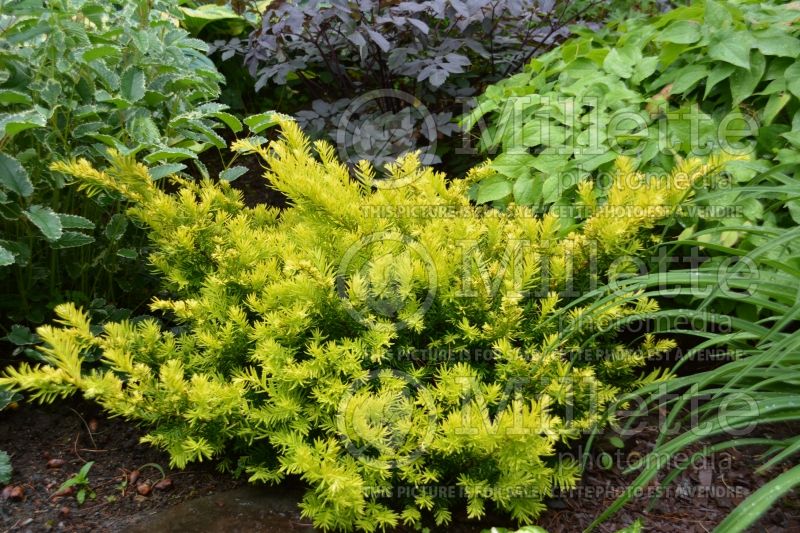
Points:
(376, 339)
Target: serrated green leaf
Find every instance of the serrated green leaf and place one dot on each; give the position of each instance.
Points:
(75, 222)
(208, 133)
(144, 130)
(116, 227)
(51, 93)
(21, 336)
(14, 177)
(6, 257)
(108, 140)
(46, 220)
(6, 470)
(262, 121)
(100, 51)
(9, 96)
(72, 239)
(231, 121)
(162, 171)
(169, 154)
(118, 102)
(15, 123)
(132, 86)
(233, 173)
(87, 129)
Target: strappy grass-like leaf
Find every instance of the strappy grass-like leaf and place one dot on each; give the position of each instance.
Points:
(762, 377)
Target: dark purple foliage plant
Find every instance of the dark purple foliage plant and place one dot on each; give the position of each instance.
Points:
(384, 77)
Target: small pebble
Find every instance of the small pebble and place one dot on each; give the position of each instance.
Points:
(143, 489)
(56, 463)
(69, 491)
(64, 512)
(164, 484)
(13, 493)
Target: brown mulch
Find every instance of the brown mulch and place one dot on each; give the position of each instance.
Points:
(40, 437)
(695, 502)
(35, 435)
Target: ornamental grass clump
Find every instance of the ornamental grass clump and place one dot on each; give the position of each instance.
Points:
(379, 339)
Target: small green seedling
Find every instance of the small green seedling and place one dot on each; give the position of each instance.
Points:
(81, 482)
(606, 461)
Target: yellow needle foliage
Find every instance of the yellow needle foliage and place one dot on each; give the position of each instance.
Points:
(400, 350)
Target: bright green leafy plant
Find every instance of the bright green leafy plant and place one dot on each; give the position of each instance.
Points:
(377, 339)
(78, 77)
(210, 20)
(708, 76)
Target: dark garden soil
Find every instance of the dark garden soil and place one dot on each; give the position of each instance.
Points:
(49, 444)
(696, 501)
(253, 185)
